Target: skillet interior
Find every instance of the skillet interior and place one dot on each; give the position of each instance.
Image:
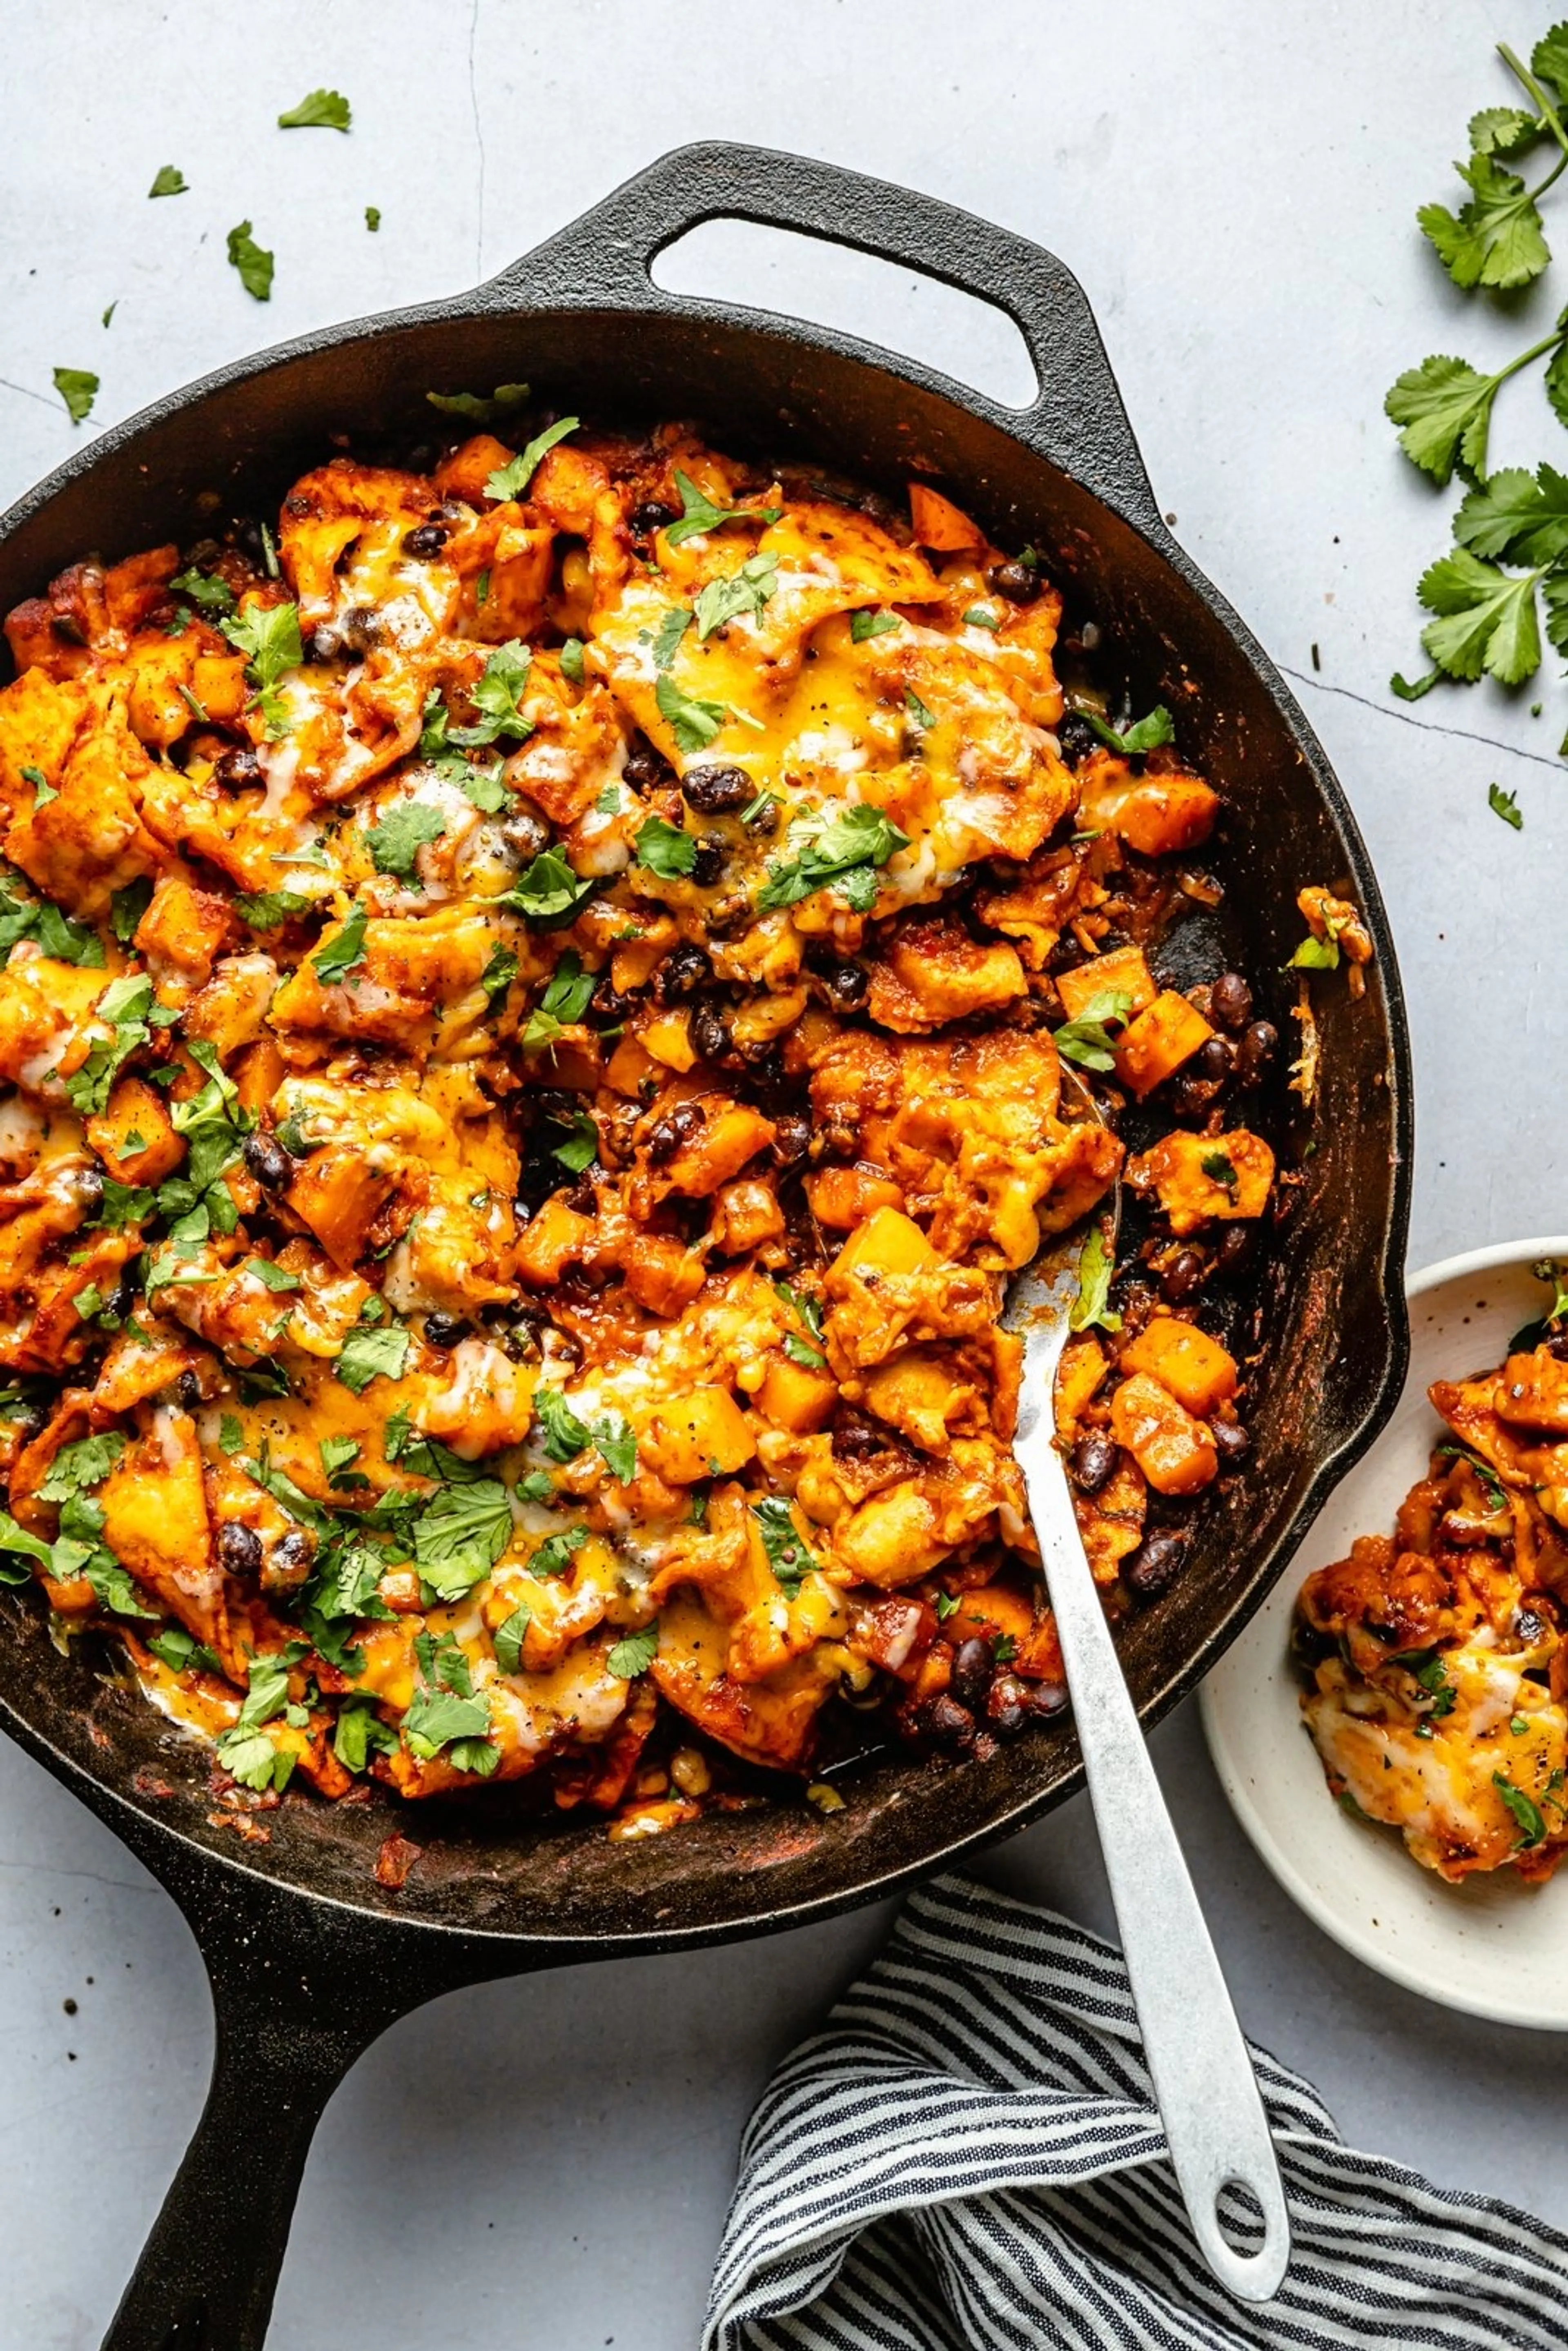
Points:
(1335, 1339)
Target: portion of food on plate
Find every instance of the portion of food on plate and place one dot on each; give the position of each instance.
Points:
(532, 1024)
(1437, 1672)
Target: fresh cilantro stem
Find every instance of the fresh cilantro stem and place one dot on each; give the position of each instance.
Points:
(1548, 111)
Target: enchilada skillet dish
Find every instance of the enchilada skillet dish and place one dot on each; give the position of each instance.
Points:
(534, 1012)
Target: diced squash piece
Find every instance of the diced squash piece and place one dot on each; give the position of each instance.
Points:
(705, 1434)
(1079, 1373)
(1152, 1048)
(155, 1522)
(340, 1196)
(1198, 1372)
(888, 1242)
(669, 1039)
(920, 1395)
(1532, 1392)
(1174, 1451)
(185, 927)
(660, 1274)
(1199, 1176)
(936, 522)
(133, 1135)
(843, 1197)
(556, 1238)
(746, 1214)
(1123, 972)
(730, 1135)
(1156, 813)
(894, 1538)
(796, 1397)
(464, 474)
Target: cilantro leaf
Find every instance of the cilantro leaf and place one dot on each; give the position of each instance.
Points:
(496, 697)
(695, 723)
(182, 1652)
(460, 1535)
(127, 907)
(1444, 409)
(402, 833)
(358, 1730)
(1495, 238)
(77, 387)
(864, 625)
(1486, 619)
(499, 972)
(790, 1555)
(508, 1640)
(509, 481)
(668, 634)
(475, 409)
(435, 1717)
(16, 1539)
(372, 216)
(1503, 131)
(861, 836)
(1097, 1269)
(564, 1435)
(572, 660)
(699, 514)
(745, 592)
(212, 595)
(581, 1148)
(124, 1005)
(548, 889)
(252, 1759)
(922, 715)
(1220, 1168)
(982, 616)
(553, 1556)
(1506, 805)
(274, 1277)
(666, 849)
(87, 1462)
(1516, 517)
(617, 1444)
(123, 1204)
(565, 1000)
(168, 180)
(635, 1654)
(1145, 735)
(1528, 1816)
(266, 910)
(253, 262)
(367, 1355)
(1087, 1040)
(269, 635)
(341, 951)
(324, 109)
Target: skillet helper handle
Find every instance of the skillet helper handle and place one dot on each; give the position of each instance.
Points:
(1208, 2095)
(209, 2271)
(1076, 419)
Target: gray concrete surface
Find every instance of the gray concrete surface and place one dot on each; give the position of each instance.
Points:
(548, 2162)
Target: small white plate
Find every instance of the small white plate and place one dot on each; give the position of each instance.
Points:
(1493, 1946)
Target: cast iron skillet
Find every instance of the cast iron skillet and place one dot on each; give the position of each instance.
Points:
(309, 1956)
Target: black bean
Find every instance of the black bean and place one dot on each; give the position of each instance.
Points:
(608, 1003)
(672, 1131)
(849, 985)
(1183, 1275)
(188, 1391)
(1231, 1002)
(1093, 1458)
(1018, 582)
(248, 537)
(292, 1551)
(718, 791)
(1528, 1627)
(708, 863)
(1154, 1565)
(650, 516)
(240, 1548)
(1214, 1061)
(856, 1438)
(1077, 738)
(237, 771)
(446, 1331)
(646, 770)
(942, 1717)
(1189, 1095)
(1557, 1345)
(764, 823)
(1006, 1707)
(710, 1032)
(974, 1663)
(1231, 1441)
(1258, 1045)
(683, 971)
(268, 1162)
(1235, 1246)
(1044, 1699)
(794, 1139)
(426, 541)
(525, 834)
(87, 1188)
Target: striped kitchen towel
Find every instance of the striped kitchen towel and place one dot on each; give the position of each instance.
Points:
(969, 2157)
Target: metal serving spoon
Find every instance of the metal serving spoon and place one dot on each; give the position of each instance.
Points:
(1208, 2101)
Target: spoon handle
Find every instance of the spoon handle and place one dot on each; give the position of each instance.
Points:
(1207, 2098)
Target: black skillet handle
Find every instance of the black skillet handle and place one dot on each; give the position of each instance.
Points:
(299, 1989)
(1076, 419)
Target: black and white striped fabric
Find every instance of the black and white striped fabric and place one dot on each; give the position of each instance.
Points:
(969, 2157)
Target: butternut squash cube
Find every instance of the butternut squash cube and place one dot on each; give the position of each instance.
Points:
(133, 1135)
(936, 522)
(1200, 1177)
(705, 1434)
(1167, 1033)
(1174, 1452)
(1196, 1369)
(843, 1197)
(1155, 813)
(794, 1396)
(1124, 971)
(888, 1242)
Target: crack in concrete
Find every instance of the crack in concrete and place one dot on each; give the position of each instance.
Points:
(1426, 725)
